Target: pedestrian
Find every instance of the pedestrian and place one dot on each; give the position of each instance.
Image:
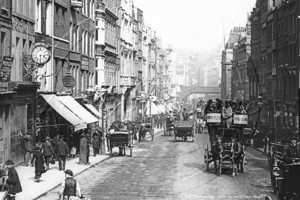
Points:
(72, 146)
(84, 150)
(48, 151)
(12, 180)
(70, 188)
(29, 148)
(266, 142)
(96, 142)
(54, 144)
(39, 162)
(62, 153)
(141, 130)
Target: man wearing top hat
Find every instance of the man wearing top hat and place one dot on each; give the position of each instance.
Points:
(70, 187)
(12, 180)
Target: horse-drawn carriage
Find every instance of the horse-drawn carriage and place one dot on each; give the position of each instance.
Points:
(120, 137)
(226, 143)
(285, 178)
(184, 129)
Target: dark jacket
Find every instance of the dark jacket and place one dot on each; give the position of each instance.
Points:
(290, 152)
(14, 185)
(62, 148)
(70, 187)
(38, 160)
(28, 143)
(96, 140)
(48, 149)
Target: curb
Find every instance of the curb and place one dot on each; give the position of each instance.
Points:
(73, 176)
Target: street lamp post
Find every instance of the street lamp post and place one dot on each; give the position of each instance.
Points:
(103, 97)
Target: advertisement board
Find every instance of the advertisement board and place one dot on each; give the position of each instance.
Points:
(5, 69)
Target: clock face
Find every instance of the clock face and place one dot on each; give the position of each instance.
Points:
(41, 55)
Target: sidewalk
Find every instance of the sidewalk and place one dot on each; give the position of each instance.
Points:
(53, 178)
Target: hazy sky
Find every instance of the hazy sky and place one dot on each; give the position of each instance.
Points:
(199, 25)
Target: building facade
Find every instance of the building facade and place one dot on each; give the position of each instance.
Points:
(278, 73)
(226, 65)
(241, 54)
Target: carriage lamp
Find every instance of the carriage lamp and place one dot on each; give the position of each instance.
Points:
(276, 171)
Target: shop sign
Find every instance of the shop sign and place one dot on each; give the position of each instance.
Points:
(69, 81)
(84, 63)
(5, 72)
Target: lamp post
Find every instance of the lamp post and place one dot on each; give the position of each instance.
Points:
(103, 97)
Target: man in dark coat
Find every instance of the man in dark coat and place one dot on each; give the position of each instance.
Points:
(29, 148)
(62, 152)
(291, 152)
(96, 142)
(12, 180)
(48, 151)
(84, 150)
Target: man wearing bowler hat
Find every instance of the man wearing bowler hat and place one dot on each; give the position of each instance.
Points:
(12, 180)
(70, 187)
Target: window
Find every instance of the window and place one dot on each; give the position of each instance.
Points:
(48, 24)
(77, 38)
(83, 7)
(71, 36)
(38, 16)
(2, 44)
(82, 41)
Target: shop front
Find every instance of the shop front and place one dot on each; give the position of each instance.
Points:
(17, 114)
(63, 115)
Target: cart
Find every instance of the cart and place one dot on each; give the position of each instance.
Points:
(184, 129)
(122, 140)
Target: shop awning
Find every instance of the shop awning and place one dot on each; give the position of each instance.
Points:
(154, 109)
(93, 109)
(65, 112)
(76, 108)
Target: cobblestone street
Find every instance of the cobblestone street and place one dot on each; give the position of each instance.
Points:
(165, 169)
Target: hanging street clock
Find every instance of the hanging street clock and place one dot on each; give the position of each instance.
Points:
(41, 53)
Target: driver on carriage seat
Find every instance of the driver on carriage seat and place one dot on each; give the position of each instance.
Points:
(291, 152)
(237, 152)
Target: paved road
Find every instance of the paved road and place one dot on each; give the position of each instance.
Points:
(165, 169)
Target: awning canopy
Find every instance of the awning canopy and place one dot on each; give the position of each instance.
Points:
(154, 109)
(76, 108)
(64, 111)
(93, 109)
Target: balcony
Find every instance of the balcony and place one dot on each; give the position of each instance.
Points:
(76, 3)
(127, 81)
